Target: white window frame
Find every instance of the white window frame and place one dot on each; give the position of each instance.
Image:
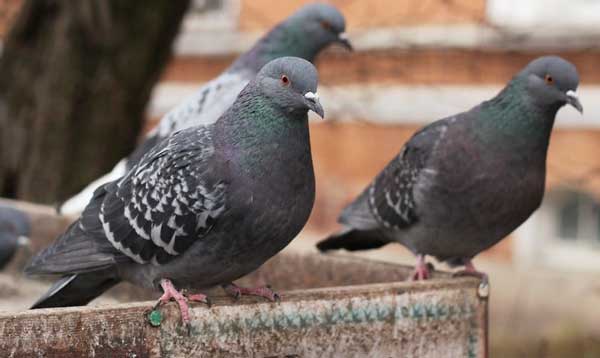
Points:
(545, 15)
(538, 242)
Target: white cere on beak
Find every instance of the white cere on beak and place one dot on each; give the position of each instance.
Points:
(311, 96)
(572, 94)
(343, 36)
(23, 241)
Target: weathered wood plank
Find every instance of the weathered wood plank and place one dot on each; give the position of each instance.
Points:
(430, 319)
(78, 332)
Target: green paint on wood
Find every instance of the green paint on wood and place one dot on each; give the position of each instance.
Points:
(155, 318)
(341, 314)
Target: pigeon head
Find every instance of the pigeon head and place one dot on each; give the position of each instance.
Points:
(304, 34)
(322, 23)
(552, 82)
(15, 228)
(15, 220)
(291, 84)
(9, 241)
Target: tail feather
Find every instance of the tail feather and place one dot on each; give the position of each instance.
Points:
(353, 240)
(76, 290)
(82, 248)
(74, 252)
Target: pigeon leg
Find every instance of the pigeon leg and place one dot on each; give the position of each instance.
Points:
(170, 292)
(421, 271)
(470, 270)
(264, 291)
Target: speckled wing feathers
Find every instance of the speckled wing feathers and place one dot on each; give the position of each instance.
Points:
(391, 195)
(166, 202)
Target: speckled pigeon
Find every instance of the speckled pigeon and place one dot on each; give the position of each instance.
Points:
(15, 228)
(304, 34)
(463, 183)
(206, 206)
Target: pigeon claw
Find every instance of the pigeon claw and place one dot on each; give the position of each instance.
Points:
(470, 270)
(422, 270)
(236, 292)
(276, 297)
(200, 297)
(171, 293)
(233, 291)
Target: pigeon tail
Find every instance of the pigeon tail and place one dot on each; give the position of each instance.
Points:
(76, 290)
(353, 240)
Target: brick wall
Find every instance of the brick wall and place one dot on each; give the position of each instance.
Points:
(8, 11)
(262, 14)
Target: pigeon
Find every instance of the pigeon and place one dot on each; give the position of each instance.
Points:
(463, 183)
(206, 206)
(304, 34)
(15, 228)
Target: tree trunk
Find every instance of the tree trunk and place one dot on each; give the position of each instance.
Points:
(75, 77)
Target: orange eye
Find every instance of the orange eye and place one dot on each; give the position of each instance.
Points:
(549, 80)
(326, 25)
(285, 80)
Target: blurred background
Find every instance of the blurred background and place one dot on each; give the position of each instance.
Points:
(81, 80)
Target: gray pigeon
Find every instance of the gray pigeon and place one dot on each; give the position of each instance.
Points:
(304, 34)
(204, 207)
(463, 183)
(15, 227)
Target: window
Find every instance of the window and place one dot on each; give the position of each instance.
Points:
(578, 219)
(551, 15)
(563, 234)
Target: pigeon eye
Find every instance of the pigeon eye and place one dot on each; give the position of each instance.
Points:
(285, 80)
(326, 25)
(549, 80)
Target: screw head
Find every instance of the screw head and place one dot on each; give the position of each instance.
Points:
(483, 291)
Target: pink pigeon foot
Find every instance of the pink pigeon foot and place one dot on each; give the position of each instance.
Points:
(264, 291)
(170, 292)
(470, 270)
(421, 271)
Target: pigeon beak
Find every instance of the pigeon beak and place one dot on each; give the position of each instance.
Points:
(344, 41)
(573, 100)
(23, 241)
(312, 101)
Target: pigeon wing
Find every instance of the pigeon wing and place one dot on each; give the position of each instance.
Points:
(391, 196)
(172, 198)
